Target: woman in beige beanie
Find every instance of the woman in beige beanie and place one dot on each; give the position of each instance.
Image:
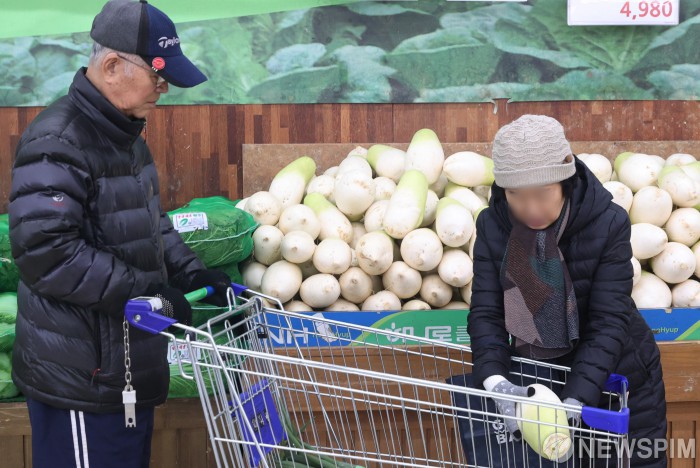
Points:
(553, 282)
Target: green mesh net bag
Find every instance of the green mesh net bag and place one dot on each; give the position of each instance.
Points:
(217, 231)
(9, 274)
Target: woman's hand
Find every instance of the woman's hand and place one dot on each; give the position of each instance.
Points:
(507, 407)
(574, 418)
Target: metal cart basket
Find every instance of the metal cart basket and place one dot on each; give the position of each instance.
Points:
(355, 396)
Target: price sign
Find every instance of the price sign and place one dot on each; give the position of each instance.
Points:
(623, 12)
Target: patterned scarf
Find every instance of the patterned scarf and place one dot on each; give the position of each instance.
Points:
(539, 301)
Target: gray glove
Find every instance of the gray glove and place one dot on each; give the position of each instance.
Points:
(573, 418)
(507, 407)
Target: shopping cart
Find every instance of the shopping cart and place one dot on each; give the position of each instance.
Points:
(356, 396)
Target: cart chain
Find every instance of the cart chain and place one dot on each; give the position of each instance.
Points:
(127, 358)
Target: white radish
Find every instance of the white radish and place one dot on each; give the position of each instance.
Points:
(264, 207)
(456, 268)
(472, 242)
(407, 205)
(465, 196)
(387, 161)
(651, 292)
(686, 294)
(466, 293)
(355, 285)
(267, 245)
(358, 151)
(439, 186)
(543, 435)
(353, 193)
(469, 169)
(680, 183)
(421, 249)
(289, 184)
(384, 188)
(483, 191)
(647, 240)
(684, 226)
(416, 304)
(299, 218)
(402, 280)
(341, 305)
(358, 230)
(431, 204)
(332, 256)
(352, 164)
(696, 252)
(375, 252)
(333, 222)
(297, 306)
(252, 274)
(331, 172)
(454, 223)
(298, 247)
(651, 205)
(383, 300)
(241, 204)
(675, 264)
(324, 185)
(637, 271)
(426, 155)
(374, 217)
(320, 290)
(282, 280)
(622, 195)
(638, 170)
(435, 291)
(598, 164)
(680, 159)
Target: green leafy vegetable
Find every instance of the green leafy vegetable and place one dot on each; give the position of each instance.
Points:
(7, 388)
(680, 82)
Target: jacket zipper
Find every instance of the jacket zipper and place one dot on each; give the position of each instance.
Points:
(98, 351)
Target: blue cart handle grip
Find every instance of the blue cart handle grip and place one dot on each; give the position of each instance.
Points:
(612, 421)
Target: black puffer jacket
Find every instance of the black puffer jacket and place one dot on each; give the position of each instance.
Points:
(88, 233)
(614, 336)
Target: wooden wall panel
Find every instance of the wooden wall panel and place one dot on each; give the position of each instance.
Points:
(198, 149)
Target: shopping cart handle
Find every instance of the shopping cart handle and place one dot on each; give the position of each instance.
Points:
(238, 289)
(617, 384)
(143, 313)
(606, 420)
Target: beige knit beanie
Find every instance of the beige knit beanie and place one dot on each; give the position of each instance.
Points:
(532, 151)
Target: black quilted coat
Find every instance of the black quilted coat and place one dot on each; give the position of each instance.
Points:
(88, 233)
(614, 336)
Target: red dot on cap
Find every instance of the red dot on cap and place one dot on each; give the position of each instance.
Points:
(158, 63)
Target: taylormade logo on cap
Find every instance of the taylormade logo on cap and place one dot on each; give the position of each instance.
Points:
(136, 27)
(165, 42)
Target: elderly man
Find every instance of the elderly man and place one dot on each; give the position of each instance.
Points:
(88, 233)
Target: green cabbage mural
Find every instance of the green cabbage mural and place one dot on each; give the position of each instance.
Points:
(376, 52)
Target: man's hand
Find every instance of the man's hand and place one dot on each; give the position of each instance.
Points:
(218, 280)
(175, 304)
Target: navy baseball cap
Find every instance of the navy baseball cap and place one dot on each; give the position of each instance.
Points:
(136, 27)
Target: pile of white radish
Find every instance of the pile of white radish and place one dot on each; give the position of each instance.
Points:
(662, 197)
(388, 229)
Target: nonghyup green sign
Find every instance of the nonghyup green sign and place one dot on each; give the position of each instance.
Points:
(313, 51)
